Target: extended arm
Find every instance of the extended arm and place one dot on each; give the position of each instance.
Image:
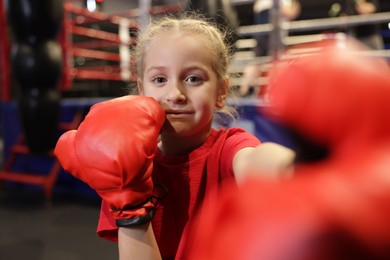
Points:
(268, 160)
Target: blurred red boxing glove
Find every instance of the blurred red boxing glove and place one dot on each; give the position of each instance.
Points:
(335, 97)
(112, 151)
(336, 208)
(320, 215)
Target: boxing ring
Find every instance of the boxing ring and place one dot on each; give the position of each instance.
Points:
(112, 47)
(104, 44)
(288, 46)
(96, 47)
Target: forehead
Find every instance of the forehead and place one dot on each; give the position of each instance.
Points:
(182, 37)
(179, 47)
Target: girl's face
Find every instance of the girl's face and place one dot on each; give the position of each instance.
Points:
(178, 73)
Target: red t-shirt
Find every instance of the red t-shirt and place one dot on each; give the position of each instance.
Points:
(188, 179)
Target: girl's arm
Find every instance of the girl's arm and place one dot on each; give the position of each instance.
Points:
(138, 242)
(268, 160)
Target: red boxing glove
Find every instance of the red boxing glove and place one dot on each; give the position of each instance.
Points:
(113, 150)
(337, 208)
(335, 97)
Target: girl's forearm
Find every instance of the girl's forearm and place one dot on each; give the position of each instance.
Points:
(138, 242)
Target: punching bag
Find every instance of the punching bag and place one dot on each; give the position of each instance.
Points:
(36, 64)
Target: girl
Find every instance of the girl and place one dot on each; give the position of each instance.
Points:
(183, 64)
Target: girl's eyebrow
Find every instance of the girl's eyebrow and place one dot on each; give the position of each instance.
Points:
(155, 68)
(197, 66)
(189, 68)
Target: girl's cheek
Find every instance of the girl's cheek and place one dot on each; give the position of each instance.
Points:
(148, 92)
(154, 92)
(157, 96)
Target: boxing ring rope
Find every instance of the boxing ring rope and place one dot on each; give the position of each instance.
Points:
(316, 24)
(293, 44)
(94, 46)
(111, 43)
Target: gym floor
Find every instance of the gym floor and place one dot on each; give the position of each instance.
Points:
(61, 229)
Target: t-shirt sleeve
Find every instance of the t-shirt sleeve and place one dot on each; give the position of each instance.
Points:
(238, 139)
(107, 228)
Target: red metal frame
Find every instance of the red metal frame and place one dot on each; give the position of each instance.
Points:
(4, 58)
(45, 180)
(98, 75)
(65, 42)
(96, 34)
(98, 44)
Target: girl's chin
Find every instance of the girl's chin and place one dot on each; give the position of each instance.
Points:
(183, 129)
(178, 131)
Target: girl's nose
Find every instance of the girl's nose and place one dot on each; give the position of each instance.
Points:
(175, 94)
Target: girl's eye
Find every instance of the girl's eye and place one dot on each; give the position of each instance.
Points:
(159, 80)
(193, 79)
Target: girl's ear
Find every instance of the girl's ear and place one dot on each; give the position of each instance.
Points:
(140, 87)
(222, 94)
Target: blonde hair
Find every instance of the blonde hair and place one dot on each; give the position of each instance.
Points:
(196, 25)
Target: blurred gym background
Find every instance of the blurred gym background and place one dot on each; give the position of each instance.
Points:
(59, 57)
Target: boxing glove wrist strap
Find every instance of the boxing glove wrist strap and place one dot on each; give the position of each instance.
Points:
(141, 220)
(136, 221)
